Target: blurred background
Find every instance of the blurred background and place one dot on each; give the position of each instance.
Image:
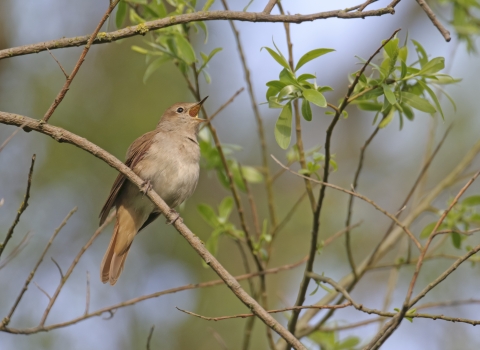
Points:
(110, 105)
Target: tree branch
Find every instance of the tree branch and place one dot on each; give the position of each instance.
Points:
(143, 28)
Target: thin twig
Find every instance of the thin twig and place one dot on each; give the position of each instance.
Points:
(112, 309)
(376, 206)
(15, 251)
(10, 137)
(58, 267)
(259, 121)
(42, 290)
(222, 107)
(435, 21)
(22, 208)
(72, 75)
(348, 246)
(7, 319)
(150, 337)
(320, 307)
(298, 118)
(387, 330)
(63, 70)
(270, 6)
(87, 297)
(316, 217)
(251, 200)
(72, 266)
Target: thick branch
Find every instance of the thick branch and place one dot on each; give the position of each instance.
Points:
(143, 28)
(61, 135)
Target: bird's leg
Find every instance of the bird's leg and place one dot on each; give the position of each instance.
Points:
(146, 186)
(177, 216)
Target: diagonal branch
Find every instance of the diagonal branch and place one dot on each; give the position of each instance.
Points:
(72, 75)
(446, 34)
(22, 208)
(62, 135)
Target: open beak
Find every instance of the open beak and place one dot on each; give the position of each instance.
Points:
(193, 112)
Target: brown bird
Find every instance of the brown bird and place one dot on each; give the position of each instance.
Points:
(167, 159)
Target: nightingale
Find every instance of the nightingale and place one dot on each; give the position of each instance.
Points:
(167, 159)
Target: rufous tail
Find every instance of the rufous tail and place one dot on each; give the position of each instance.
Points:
(123, 234)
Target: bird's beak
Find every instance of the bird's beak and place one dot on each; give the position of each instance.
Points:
(193, 112)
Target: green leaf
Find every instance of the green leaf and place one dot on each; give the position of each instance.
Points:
(121, 14)
(274, 103)
(433, 66)
(251, 174)
(433, 97)
(185, 49)
(315, 97)
(471, 201)
(212, 244)
(389, 94)
(139, 49)
(283, 127)
(387, 120)
(287, 90)
(403, 54)
(369, 106)
(225, 207)
(324, 88)
(391, 48)
(427, 230)
(287, 77)
(422, 54)
(417, 102)
(306, 110)
(348, 343)
(305, 77)
(280, 59)
(456, 240)
(208, 214)
(152, 67)
(311, 55)
(207, 5)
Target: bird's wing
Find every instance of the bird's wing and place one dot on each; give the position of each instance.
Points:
(135, 153)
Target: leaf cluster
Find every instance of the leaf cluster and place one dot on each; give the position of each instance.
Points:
(288, 88)
(461, 218)
(396, 87)
(169, 44)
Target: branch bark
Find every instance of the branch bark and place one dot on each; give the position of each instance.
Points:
(64, 136)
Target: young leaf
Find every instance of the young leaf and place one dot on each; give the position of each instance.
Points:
(152, 67)
(391, 48)
(281, 60)
(422, 55)
(471, 201)
(185, 50)
(385, 121)
(433, 66)
(306, 110)
(283, 127)
(207, 5)
(311, 55)
(315, 97)
(208, 215)
(456, 240)
(417, 102)
(389, 94)
(305, 77)
(121, 14)
(433, 97)
(225, 207)
(251, 174)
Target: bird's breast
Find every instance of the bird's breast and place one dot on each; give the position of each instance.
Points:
(172, 167)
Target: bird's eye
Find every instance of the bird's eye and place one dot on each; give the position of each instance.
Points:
(179, 110)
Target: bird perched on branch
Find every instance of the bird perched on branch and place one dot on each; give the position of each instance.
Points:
(167, 159)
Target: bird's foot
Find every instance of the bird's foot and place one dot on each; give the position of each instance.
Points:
(146, 186)
(177, 217)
